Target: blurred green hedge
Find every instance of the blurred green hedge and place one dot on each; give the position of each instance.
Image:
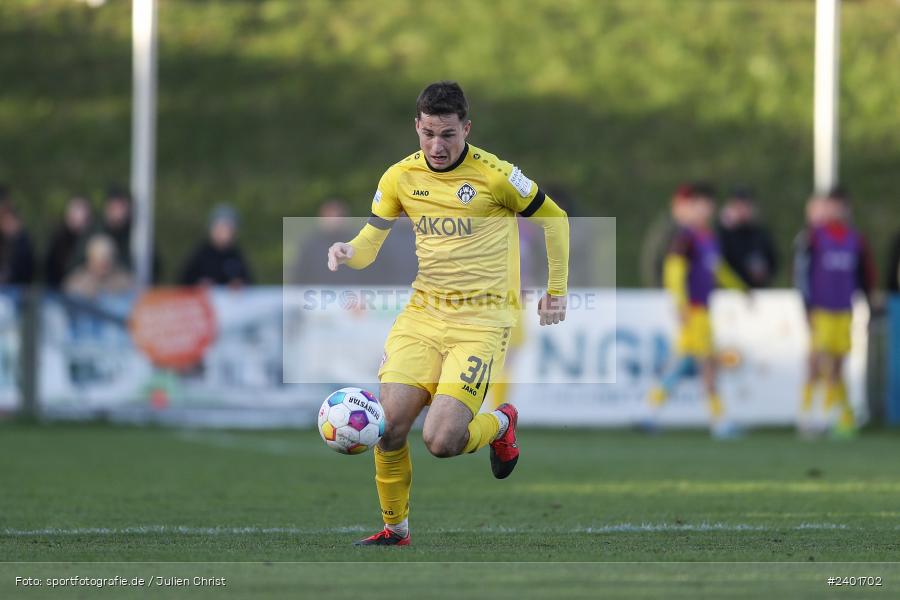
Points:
(276, 106)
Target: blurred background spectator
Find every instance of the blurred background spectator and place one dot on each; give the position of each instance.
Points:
(746, 244)
(62, 254)
(117, 223)
(218, 260)
(892, 282)
(16, 250)
(102, 272)
(332, 225)
(396, 263)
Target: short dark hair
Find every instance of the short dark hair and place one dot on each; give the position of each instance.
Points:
(839, 193)
(703, 189)
(442, 98)
(117, 191)
(744, 193)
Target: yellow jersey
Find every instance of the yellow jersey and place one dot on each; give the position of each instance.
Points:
(467, 237)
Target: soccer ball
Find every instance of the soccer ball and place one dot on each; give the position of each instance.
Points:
(351, 420)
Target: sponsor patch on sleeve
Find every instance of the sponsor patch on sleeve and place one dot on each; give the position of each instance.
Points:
(377, 198)
(520, 182)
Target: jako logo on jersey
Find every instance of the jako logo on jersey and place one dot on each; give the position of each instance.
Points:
(466, 193)
(377, 197)
(420, 192)
(447, 226)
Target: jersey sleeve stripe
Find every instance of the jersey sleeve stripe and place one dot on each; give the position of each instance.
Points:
(534, 205)
(380, 223)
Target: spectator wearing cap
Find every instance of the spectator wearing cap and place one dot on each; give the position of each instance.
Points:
(101, 273)
(218, 260)
(62, 256)
(746, 244)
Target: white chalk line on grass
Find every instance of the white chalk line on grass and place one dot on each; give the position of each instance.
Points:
(593, 529)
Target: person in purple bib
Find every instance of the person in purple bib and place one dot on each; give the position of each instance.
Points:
(839, 264)
(693, 268)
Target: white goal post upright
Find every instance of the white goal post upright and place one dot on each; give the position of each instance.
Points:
(825, 120)
(143, 136)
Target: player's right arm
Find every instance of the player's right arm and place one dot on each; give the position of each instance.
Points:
(362, 250)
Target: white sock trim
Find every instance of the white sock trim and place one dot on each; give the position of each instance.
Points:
(504, 422)
(401, 528)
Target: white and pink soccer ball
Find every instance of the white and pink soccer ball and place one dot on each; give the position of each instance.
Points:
(351, 420)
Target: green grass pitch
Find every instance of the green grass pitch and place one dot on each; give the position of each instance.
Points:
(677, 515)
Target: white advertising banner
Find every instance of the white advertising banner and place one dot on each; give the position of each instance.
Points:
(761, 340)
(100, 358)
(229, 357)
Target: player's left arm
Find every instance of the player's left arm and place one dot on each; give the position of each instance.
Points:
(727, 278)
(555, 221)
(521, 195)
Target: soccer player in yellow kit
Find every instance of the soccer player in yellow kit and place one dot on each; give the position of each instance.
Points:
(452, 336)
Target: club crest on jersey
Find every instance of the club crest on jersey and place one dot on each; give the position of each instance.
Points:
(466, 193)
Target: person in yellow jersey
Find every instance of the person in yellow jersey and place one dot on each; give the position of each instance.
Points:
(693, 269)
(451, 338)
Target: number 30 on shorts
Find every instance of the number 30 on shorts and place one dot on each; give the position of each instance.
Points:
(477, 369)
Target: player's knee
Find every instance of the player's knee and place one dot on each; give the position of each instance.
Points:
(394, 437)
(442, 445)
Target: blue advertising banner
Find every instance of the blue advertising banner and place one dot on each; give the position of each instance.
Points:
(893, 387)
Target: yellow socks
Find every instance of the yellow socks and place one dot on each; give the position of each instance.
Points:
(715, 407)
(831, 396)
(809, 391)
(393, 478)
(657, 396)
(482, 431)
(836, 395)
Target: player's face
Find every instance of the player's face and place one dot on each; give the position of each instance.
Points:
(835, 210)
(702, 210)
(815, 211)
(442, 138)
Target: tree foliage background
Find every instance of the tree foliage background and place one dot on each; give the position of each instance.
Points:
(275, 106)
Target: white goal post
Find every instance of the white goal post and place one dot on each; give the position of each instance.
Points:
(825, 119)
(143, 137)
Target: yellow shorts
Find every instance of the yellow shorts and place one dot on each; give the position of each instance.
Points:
(695, 338)
(443, 358)
(517, 332)
(831, 331)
